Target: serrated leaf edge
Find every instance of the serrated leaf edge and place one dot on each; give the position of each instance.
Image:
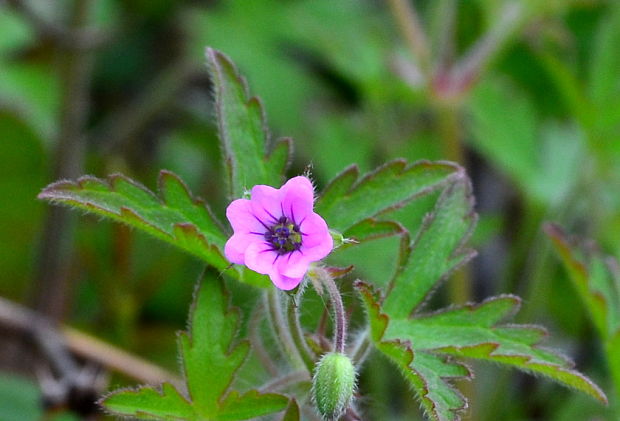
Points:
(374, 297)
(465, 254)
(351, 176)
(53, 193)
(491, 347)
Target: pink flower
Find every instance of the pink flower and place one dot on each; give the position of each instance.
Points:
(277, 232)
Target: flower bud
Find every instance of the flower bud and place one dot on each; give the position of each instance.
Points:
(333, 385)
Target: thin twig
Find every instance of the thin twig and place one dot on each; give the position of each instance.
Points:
(446, 30)
(24, 320)
(65, 38)
(409, 23)
(57, 243)
(480, 54)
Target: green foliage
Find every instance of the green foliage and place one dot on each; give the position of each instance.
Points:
(19, 398)
(427, 374)
(595, 278)
(210, 360)
(22, 158)
(173, 216)
(421, 345)
(604, 83)
(436, 251)
(541, 158)
(243, 131)
(292, 411)
(349, 200)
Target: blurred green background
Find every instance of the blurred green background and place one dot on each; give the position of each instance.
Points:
(525, 94)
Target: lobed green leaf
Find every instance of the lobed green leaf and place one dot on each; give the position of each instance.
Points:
(594, 280)
(250, 405)
(426, 373)
(349, 199)
(471, 331)
(292, 412)
(243, 131)
(437, 250)
(173, 215)
(210, 359)
(149, 403)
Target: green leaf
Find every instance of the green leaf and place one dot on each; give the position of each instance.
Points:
(250, 405)
(173, 215)
(147, 402)
(292, 412)
(23, 163)
(604, 74)
(20, 398)
(210, 359)
(437, 250)
(420, 345)
(596, 283)
(472, 331)
(503, 124)
(348, 199)
(426, 373)
(243, 131)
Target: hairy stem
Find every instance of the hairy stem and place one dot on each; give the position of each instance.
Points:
(280, 328)
(340, 318)
(257, 343)
(279, 383)
(360, 349)
(305, 352)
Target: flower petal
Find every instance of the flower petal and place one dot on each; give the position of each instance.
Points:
(266, 203)
(293, 265)
(313, 230)
(241, 217)
(260, 257)
(320, 249)
(296, 206)
(284, 282)
(301, 184)
(236, 246)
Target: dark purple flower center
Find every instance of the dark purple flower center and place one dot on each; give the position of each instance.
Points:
(284, 236)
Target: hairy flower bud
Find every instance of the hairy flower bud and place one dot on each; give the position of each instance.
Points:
(333, 385)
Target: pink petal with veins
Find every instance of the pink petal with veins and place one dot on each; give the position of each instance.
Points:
(236, 247)
(265, 235)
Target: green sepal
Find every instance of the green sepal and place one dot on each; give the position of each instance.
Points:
(333, 384)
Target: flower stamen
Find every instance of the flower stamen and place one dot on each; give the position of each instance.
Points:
(284, 237)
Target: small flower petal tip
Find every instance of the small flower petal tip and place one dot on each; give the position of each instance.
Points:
(277, 232)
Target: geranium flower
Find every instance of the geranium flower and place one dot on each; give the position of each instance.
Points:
(277, 233)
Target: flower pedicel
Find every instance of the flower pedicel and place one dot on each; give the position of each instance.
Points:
(277, 233)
